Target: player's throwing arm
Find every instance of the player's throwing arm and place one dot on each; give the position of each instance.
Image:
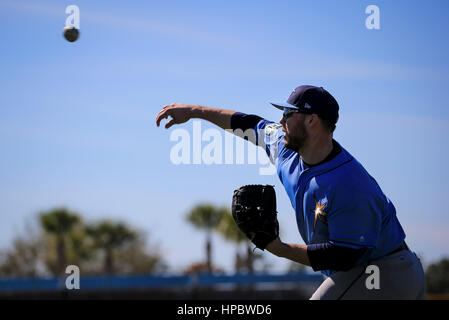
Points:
(180, 113)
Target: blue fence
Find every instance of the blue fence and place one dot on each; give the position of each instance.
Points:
(149, 282)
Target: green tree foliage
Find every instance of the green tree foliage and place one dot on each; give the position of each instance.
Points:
(437, 276)
(22, 260)
(110, 236)
(97, 248)
(230, 231)
(58, 223)
(136, 259)
(123, 249)
(206, 217)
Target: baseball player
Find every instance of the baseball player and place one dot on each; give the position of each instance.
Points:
(349, 227)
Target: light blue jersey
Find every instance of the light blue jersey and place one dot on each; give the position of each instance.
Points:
(337, 201)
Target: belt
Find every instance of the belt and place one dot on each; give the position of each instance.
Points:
(402, 246)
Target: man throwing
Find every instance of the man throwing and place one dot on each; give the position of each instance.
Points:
(348, 224)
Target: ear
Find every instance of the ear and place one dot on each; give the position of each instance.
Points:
(311, 119)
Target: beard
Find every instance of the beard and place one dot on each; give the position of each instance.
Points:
(296, 142)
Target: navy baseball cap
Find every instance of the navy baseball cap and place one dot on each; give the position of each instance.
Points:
(310, 99)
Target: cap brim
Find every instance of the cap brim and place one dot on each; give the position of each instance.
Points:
(283, 105)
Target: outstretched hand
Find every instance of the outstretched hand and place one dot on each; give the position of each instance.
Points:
(179, 112)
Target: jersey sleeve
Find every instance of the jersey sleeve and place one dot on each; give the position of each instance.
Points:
(263, 133)
(269, 136)
(327, 256)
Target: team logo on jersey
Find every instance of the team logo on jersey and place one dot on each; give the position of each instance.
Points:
(271, 129)
(319, 213)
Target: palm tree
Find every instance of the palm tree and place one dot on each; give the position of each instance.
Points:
(206, 217)
(109, 236)
(59, 222)
(230, 231)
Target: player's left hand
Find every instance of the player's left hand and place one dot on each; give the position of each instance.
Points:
(254, 212)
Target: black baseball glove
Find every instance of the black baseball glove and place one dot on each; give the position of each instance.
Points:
(254, 211)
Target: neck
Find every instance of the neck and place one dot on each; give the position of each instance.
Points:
(316, 149)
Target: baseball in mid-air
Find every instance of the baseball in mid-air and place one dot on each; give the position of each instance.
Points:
(71, 33)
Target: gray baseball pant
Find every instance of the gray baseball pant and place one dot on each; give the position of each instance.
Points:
(399, 276)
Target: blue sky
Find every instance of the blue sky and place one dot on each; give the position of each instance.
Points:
(77, 120)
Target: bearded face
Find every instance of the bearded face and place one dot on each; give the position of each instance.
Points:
(295, 132)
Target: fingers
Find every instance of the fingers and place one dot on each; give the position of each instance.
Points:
(163, 114)
(170, 123)
(169, 110)
(160, 117)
